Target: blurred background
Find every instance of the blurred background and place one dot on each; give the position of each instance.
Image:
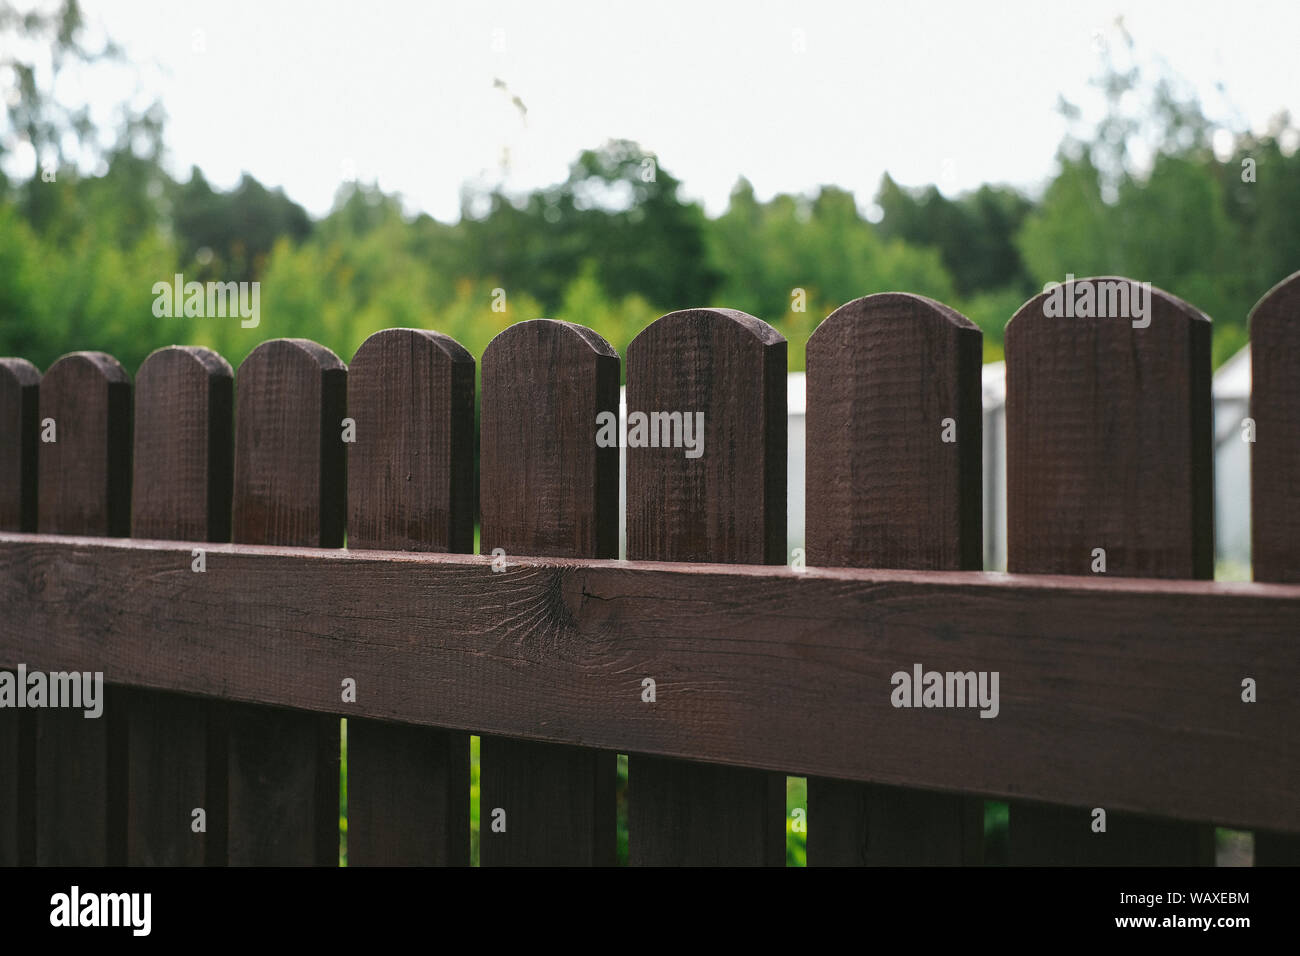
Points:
(608, 164)
(465, 166)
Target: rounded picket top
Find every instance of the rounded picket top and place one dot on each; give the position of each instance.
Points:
(1277, 313)
(1104, 302)
(84, 459)
(548, 484)
(19, 403)
(537, 333)
(290, 460)
(543, 354)
(1109, 432)
(706, 480)
(894, 433)
(186, 360)
(411, 461)
(722, 358)
(703, 323)
(883, 309)
(291, 353)
(184, 397)
(92, 368)
(425, 340)
(19, 372)
(1274, 444)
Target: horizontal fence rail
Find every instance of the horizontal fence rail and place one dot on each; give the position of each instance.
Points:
(1120, 693)
(234, 628)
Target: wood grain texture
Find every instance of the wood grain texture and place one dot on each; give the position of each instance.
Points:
(410, 488)
(547, 489)
(411, 470)
(1116, 692)
(183, 469)
(290, 460)
(85, 476)
(19, 397)
(884, 490)
(1275, 492)
(1109, 442)
(1109, 445)
(1275, 453)
(183, 462)
(555, 493)
(289, 488)
(19, 405)
(85, 488)
(727, 504)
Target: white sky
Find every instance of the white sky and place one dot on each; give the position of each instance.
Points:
(298, 93)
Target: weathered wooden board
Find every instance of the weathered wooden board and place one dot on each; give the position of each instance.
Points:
(1123, 693)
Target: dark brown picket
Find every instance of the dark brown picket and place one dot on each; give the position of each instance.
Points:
(547, 489)
(289, 489)
(726, 505)
(1275, 492)
(410, 488)
(84, 488)
(19, 406)
(885, 489)
(183, 469)
(1109, 445)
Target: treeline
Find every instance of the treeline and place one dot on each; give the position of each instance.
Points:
(616, 244)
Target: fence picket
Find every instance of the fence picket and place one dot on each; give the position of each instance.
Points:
(1109, 469)
(290, 489)
(727, 505)
(19, 406)
(544, 384)
(1275, 462)
(886, 490)
(1109, 446)
(183, 469)
(410, 488)
(84, 488)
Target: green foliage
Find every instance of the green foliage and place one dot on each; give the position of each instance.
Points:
(619, 213)
(822, 245)
(234, 232)
(615, 244)
(975, 234)
(796, 841)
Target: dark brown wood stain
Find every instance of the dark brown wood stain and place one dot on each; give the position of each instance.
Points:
(1109, 445)
(726, 505)
(547, 489)
(19, 398)
(289, 489)
(85, 488)
(183, 468)
(1275, 492)
(885, 490)
(410, 488)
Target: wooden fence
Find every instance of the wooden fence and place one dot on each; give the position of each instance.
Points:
(186, 538)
